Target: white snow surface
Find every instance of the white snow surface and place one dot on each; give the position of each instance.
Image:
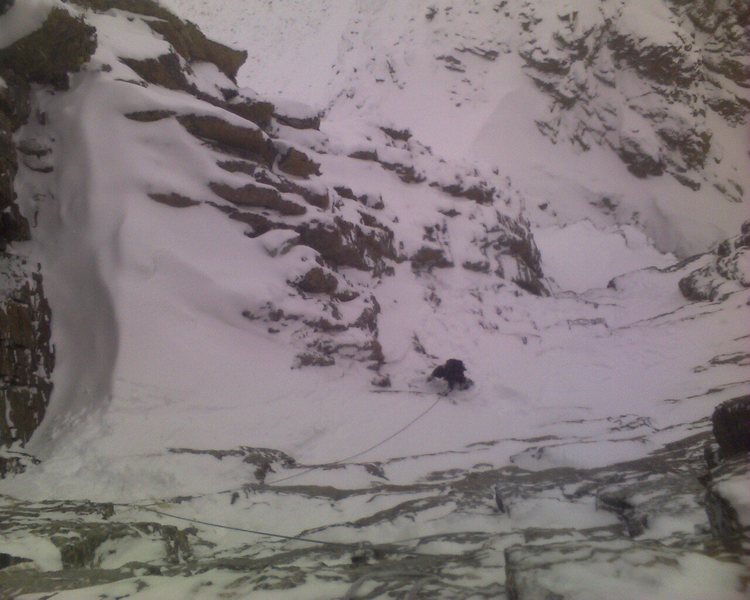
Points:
(581, 257)
(153, 352)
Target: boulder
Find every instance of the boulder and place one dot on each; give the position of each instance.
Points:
(731, 426)
(318, 281)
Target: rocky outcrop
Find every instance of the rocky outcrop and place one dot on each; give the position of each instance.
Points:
(187, 40)
(727, 271)
(242, 141)
(728, 478)
(190, 43)
(502, 244)
(427, 259)
(13, 111)
(272, 178)
(298, 164)
(174, 200)
(165, 71)
(26, 356)
(252, 195)
(726, 503)
(318, 281)
(679, 74)
(62, 44)
(342, 243)
(650, 497)
(85, 541)
(731, 426)
(263, 459)
(507, 249)
(590, 568)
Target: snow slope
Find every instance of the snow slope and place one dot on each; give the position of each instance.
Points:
(178, 390)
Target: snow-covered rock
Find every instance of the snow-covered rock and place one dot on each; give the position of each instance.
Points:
(731, 424)
(728, 271)
(635, 106)
(248, 294)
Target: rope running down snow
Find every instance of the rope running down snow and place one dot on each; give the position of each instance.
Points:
(295, 538)
(291, 538)
(336, 462)
(265, 533)
(365, 451)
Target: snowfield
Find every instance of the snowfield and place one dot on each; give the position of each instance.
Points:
(179, 395)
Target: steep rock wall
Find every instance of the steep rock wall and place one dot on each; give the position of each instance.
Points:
(27, 357)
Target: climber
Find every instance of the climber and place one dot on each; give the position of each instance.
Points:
(453, 372)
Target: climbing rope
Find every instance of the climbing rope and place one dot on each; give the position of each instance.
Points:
(256, 532)
(363, 452)
(351, 546)
(336, 462)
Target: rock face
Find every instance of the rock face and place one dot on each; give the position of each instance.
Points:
(186, 39)
(335, 238)
(731, 426)
(646, 495)
(726, 483)
(640, 526)
(727, 271)
(339, 233)
(26, 356)
(62, 45)
(727, 505)
(679, 76)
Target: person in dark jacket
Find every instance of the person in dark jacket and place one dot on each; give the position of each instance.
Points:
(453, 372)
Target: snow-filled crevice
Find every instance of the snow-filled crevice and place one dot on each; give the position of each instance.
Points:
(74, 243)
